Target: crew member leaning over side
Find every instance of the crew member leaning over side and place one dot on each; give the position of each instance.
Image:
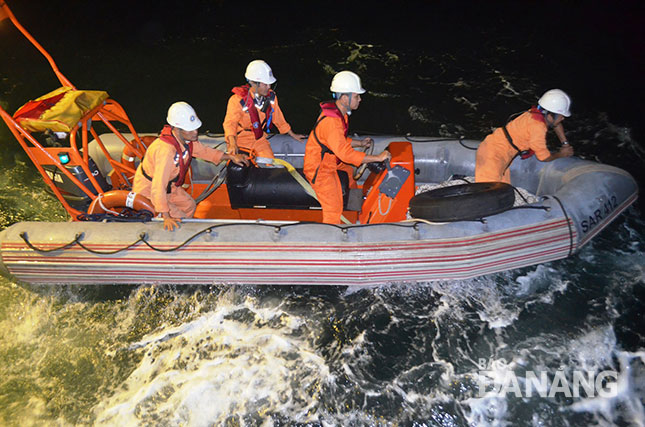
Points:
(251, 111)
(162, 172)
(329, 148)
(524, 135)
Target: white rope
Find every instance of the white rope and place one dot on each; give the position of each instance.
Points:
(100, 200)
(380, 197)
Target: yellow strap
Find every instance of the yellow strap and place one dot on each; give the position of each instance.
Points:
(303, 182)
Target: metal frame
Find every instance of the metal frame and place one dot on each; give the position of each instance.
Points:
(107, 113)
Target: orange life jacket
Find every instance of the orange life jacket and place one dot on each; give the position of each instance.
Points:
(182, 158)
(328, 109)
(248, 105)
(167, 137)
(536, 114)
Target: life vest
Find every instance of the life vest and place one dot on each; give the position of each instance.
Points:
(536, 114)
(328, 109)
(183, 158)
(248, 106)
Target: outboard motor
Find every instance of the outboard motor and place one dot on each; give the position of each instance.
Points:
(72, 194)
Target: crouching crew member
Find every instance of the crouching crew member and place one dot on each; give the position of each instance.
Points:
(524, 135)
(251, 111)
(329, 148)
(162, 172)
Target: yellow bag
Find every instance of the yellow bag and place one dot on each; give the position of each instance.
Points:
(59, 110)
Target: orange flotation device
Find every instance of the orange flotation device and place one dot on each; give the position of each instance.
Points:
(119, 199)
(248, 105)
(129, 154)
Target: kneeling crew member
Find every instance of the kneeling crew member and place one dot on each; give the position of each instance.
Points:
(525, 135)
(329, 148)
(162, 172)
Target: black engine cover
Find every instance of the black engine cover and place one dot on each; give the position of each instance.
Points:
(274, 188)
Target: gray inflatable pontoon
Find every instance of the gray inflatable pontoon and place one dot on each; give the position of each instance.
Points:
(576, 200)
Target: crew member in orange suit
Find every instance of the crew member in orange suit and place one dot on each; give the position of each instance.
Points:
(162, 172)
(524, 135)
(329, 148)
(251, 111)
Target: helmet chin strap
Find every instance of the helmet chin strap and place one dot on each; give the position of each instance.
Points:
(554, 118)
(179, 135)
(349, 103)
(337, 96)
(259, 99)
(546, 113)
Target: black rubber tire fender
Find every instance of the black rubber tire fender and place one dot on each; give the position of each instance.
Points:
(464, 202)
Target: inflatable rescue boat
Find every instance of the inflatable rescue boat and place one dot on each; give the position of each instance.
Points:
(261, 224)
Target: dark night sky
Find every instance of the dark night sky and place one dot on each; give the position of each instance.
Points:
(600, 40)
(576, 32)
(399, 21)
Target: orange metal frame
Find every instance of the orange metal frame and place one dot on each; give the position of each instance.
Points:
(108, 112)
(378, 207)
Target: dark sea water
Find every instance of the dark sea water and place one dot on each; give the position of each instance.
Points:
(396, 354)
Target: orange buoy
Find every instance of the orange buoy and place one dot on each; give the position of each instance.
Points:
(119, 199)
(128, 156)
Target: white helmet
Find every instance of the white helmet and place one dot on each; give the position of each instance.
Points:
(259, 71)
(346, 82)
(181, 115)
(556, 101)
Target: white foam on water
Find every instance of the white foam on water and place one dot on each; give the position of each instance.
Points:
(384, 94)
(587, 254)
(626, 403)
(596, 351)
(419, 114)
(355, 289)
(618, 400)
(22, 325)
(593, 350)
(610, 131)
(218, 366)
(507, 88)
(487, 411)
(482, 293)
(463, 100)
(543, 280)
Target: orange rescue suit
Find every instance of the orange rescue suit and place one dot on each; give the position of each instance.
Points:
(162, 163)
(238, 122)
(329, 149)
(495, 153)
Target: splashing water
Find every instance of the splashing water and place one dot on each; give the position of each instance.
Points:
(239, 362)
(397, 354)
